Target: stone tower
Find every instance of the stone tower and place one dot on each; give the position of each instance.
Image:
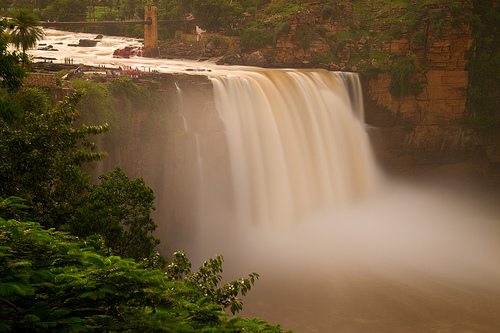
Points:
(151, 30)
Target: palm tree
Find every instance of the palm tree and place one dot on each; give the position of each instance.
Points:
(26, 32)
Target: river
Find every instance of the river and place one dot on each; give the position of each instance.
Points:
(405, 258)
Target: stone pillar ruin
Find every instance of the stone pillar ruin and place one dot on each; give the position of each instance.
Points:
(151, 30)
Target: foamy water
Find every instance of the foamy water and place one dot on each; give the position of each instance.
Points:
(102, 54)
(340, 247)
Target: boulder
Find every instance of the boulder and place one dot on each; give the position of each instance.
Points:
(87, 42)
(255, 59)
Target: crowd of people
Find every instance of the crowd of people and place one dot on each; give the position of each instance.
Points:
(125, 70)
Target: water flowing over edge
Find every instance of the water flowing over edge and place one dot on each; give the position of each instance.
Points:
(297, 142)
(418, 248)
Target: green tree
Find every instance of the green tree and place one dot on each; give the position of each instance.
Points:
(32, 100)
(130, 9)
(213, 15)
(42, 155)
(11, 73)
(51, 282)
(66, 10)
(119, 209)
(98, 106)
(23, 4)
(26, 32)
(208, 278)
(41, 159)
(11, 78)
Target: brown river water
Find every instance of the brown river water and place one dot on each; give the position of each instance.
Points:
(340, 247)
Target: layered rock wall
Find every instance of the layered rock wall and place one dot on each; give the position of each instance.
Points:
(413, 134)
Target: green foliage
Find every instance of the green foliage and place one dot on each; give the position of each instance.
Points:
(119, 209)
(283, 8)
(208, 278)
(402, 75)
(11, 73)
(437, 19)
(370, 71)
(51, 282)
(116, 102)
(397, 33)
(418, 37)
(217, 42)
(212, 15)
(307, 37)
(10, 112)
(65, 10)
(484, 67)
(456, 9)
(25, 33)
(34, 100)
(41, 159)
(325, 58)
(327, 12)
(253, 38)
(41, 156)
(98, 106)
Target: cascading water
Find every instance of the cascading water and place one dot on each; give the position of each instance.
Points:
(296, 144)
(339, 247)
(288, 188)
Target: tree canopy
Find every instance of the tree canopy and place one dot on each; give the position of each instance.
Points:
(25, 30)
(212, 15)
(11, 74)
(51, 282)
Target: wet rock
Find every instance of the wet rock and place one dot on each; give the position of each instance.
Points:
(87, 43)
(127, 52)
(47, 48)
(232, 59)
(255, 59)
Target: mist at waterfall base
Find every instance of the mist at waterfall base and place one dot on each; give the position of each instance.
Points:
(339, 246)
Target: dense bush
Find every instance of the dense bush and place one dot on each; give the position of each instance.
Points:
(484, 67)
(51, 282)
(402, 77)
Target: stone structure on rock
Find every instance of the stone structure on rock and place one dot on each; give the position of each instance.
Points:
(48, 80)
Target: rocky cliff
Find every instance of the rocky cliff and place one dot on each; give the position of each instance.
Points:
(417, 131)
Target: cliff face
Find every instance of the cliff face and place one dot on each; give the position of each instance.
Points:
(412, 133)
(415, 132)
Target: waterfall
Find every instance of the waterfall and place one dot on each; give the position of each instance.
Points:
(297, 142)
(292, 191)
(276, 174)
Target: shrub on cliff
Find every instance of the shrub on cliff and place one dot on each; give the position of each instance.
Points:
(402, 77)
